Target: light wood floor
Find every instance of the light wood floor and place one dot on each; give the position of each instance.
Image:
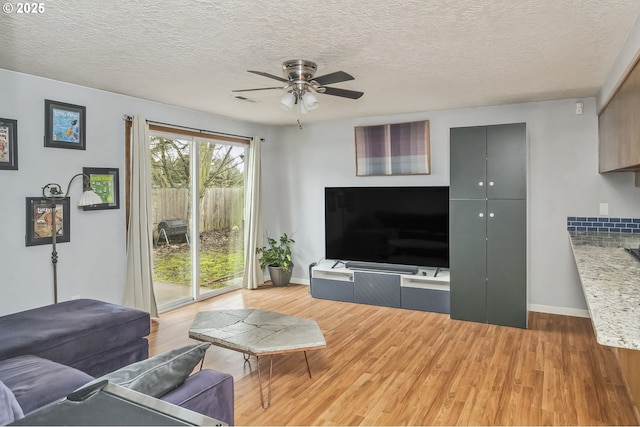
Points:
(385, 366)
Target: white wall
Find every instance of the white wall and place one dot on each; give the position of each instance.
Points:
(92, 264)
(297, 165)
(563, 179)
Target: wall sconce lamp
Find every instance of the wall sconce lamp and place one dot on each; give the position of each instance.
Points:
(53, 192)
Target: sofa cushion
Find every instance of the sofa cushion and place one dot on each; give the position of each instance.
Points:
(207, 392)
(10, 409)
(36, 382)
(114, 358)
(161, 373)
(71, 331)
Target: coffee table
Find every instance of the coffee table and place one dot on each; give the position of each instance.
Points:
(258, 333)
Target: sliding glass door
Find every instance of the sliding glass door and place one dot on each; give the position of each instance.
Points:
(198, 209)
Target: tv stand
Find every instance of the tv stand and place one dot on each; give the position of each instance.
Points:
(416, 288)
(336, 263)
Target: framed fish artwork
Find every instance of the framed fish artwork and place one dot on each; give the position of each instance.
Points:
(104, 181)
(64, 125)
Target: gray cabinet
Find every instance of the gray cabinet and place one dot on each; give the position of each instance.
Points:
(506, 263)
(376, 289)
(506, 162)
(488, 224)
(468, 163)
(468, 260)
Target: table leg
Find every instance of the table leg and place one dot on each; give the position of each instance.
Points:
(247, 360)
(269, 382)
(307, 360)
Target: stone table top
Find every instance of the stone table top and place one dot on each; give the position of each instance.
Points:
(256, 332)
(610, 278)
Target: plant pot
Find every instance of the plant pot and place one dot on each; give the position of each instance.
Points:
(279, 277)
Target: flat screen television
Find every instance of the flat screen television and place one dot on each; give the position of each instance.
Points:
(393, 225)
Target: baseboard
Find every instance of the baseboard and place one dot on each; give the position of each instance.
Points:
(552, 309)
(294, 280)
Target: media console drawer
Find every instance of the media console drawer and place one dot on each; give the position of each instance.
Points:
(337, 290)
(376, 289)
(425, 299)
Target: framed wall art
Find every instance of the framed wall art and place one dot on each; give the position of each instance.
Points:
(40, 217)
(105, 182)
(64, 125)
(393, 149)
(8, 144)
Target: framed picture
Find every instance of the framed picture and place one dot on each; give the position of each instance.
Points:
(105, 182)
(8, 144)
(64, 125)
(393, 149)
(40, 217)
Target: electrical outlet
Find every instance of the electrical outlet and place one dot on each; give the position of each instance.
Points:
(579, 107)
(604, 208)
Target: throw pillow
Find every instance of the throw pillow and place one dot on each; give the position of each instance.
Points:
(161, 373)
(10, 409)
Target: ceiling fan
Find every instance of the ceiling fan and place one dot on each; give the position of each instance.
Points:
(301, 83)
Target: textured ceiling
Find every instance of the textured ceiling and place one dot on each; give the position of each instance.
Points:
(405, 55)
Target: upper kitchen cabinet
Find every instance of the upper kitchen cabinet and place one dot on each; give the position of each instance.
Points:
(619, 128)
(488, 164)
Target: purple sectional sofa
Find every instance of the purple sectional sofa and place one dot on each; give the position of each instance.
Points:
(48, 352)
(92, 336)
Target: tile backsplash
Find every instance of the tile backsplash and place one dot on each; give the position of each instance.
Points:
(603, 224)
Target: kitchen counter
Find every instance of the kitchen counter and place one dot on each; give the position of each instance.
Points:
(610, 279)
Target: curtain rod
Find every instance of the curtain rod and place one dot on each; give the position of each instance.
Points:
(207, 132)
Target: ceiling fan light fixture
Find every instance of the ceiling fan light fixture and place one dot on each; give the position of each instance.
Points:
(288, 100)
(310, 101)
(302, 85)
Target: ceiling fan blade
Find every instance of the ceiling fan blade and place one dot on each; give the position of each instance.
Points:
(342, 92)
(271, 76)
(260, 88)
(337, 77)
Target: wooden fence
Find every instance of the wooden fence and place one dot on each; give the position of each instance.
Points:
(220, 208)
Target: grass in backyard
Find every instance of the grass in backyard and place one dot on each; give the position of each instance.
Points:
(215, 267)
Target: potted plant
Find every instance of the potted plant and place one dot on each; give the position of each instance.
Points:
(277, 256)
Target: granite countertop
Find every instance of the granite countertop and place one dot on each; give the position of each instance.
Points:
(610, 279)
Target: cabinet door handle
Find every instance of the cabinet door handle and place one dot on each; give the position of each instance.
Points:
(490, 183)
(492, 215)
(481, 215)
(480, 184)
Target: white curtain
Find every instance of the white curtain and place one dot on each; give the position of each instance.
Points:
(138, 291)
(253, 218)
